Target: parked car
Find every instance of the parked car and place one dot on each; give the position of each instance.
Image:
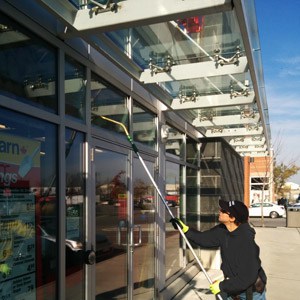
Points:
(269, 210)
(294, 207)
(146, 203)
(172, 200)
(74, 248)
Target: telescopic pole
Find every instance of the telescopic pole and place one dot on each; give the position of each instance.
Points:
(135, 149)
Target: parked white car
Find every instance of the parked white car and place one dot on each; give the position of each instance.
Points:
(294, 207)
(269, 210)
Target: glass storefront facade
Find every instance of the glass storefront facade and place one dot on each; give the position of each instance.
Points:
(29, 206)
(29, 67)
(75, 202)
(111, 224)
(55, 146)
(80, 217)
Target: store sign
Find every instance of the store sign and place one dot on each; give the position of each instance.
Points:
(19, 161)
(19, 172)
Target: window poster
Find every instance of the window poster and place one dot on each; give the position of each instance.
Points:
(19, 176)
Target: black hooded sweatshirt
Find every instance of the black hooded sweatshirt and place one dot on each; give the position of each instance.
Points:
(239, 252)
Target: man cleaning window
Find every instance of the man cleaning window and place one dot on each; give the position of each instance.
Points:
(244, 278)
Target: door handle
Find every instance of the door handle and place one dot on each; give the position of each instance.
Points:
(90, 257)
(122, 224)
(139, 235)
(119, 233)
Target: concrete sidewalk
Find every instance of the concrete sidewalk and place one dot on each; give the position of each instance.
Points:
(280, 255)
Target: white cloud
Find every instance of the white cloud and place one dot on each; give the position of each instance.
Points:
(283, 106)
(289, 60)
(288, 72)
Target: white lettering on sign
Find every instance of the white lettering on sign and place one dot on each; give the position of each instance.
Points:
(8, 178)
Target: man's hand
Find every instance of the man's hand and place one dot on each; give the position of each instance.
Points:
(215, 287)
(5, 269)
(177, 222)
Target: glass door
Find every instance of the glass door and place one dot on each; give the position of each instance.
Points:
(124, 227)
(143, 218)
(111, 225)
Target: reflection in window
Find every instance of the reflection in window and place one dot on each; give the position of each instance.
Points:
(191, 196)
(192, 204)
(144, 218)
(109, 102)
(260, 183)
(191, 151)
(174, 144)
(75, 195)
(111, 224)
(28, 195)
(173, 250)
(75, 87)
(28, 69)
(144, 127)
(138, 42)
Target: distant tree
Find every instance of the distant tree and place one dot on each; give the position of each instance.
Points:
(281, 173)
(282, 170)
(276, 173)
(140, 188)
(118, 185)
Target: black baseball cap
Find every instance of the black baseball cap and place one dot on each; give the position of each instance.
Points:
(237, 209)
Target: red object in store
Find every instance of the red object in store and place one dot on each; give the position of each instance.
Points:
(193, 24)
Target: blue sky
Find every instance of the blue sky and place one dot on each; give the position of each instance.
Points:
(278, 26)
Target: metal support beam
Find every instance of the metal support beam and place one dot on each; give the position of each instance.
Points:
(247, 29)
(255, 154)
(225, 121)
(62, 9)
(212, 101)
(247, 148)
(232, 132)
(247, 141)
(195, 70)
(132, 13)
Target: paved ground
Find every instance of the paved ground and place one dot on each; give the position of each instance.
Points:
(280, 250)
(268, 222)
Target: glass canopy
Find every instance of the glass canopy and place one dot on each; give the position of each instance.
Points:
(200, 56)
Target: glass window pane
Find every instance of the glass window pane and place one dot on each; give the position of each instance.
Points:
(173, 251)
(28, 206)
(185, 41)
(75, 195)
(28, 69)
(191, 196)
(107, 101)
(192, 204)
(111, 224)
(209, 149)
(157, 41)
(144, 221)
(75, 89)
(174, 143)
(144, 126)
(191, 151)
